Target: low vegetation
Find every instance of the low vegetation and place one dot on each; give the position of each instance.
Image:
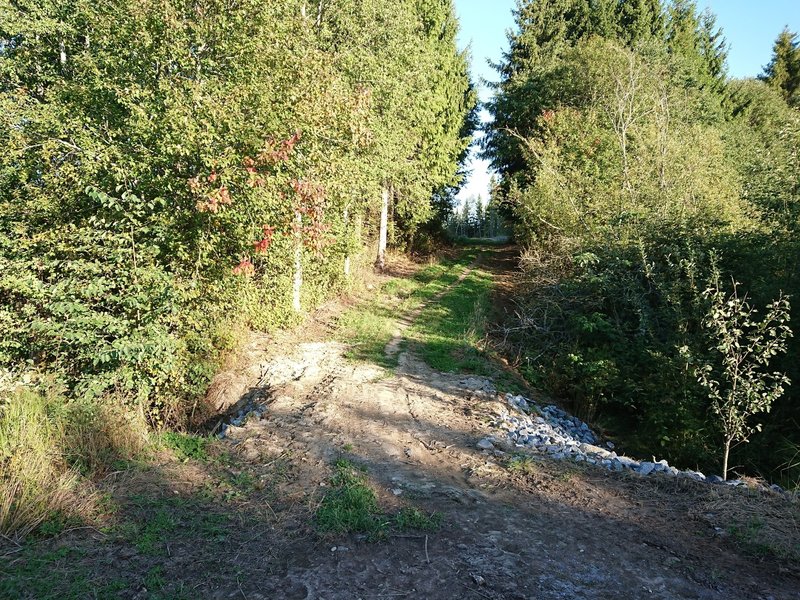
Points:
(351, 506)
(51, 449)
(448, 334)
(371, 325)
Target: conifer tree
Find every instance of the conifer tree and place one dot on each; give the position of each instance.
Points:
(783, 70)
(639, 20)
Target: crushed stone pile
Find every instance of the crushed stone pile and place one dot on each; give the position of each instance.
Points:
(551, 431)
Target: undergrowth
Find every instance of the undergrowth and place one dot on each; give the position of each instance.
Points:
(186, 446)
(50, 449)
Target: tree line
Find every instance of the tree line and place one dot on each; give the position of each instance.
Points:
(474, 218)
(658, 202)
(172, 172)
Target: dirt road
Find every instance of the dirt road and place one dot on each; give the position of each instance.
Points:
(551, 530)
(240, 519)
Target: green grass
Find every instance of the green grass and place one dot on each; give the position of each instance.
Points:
(523, 464)
(414, 518)
(155, 522)
(351, 506)
(186, 446)
(56, 574)
(371, 325)
(448, 333)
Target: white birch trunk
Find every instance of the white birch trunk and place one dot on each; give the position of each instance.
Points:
(347, 257)
(380, 263)
(298, 265)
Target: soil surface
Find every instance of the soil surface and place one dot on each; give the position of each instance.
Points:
(549, 530)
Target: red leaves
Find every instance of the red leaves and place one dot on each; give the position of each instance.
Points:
(214, 196)
(278, 151)
(210, 200)
(245, 268)
(273, 153)
(308, 198)
(264, 243)
(214, 200)
(310, 203)
(315, 237)
(548, 115)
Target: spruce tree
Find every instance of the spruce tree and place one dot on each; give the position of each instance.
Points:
(783, 71)
(639, 20)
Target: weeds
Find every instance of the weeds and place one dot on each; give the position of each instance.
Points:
(352, 507)
(448, 333)
(54, 575)
(186, 446)
(413, 518)
(522, 464)
(371, 326)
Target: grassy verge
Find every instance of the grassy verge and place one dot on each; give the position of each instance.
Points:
(147, 521)
(51, 449)
(449, 332)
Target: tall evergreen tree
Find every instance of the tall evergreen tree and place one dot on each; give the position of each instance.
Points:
(783, 70)
(639, 20)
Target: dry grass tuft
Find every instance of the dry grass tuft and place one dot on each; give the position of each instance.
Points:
(50, 449)
(762, 523)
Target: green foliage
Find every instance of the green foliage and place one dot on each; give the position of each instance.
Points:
(627, 162)
(477, 220)
(783, 71)
(186, 446)
(740, 386)
(151, 538)
(351, 505)
(448, 333)
(154, 173)
(368, 328)
(48, 450)
(53, 575)
(413, 518)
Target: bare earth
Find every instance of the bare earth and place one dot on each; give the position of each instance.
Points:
(557, 531)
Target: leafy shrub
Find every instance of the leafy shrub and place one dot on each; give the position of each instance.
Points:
(186, 445)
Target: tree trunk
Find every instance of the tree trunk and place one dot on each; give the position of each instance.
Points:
(347, 256)
(380, 263)
(725, 454)
(298, 265)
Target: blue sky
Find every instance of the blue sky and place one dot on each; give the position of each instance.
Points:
(750, 27)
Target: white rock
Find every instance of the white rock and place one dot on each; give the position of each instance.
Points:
(486, 444)
(646, 468)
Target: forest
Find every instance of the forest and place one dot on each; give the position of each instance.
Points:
(175, 174)
(657, 200)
